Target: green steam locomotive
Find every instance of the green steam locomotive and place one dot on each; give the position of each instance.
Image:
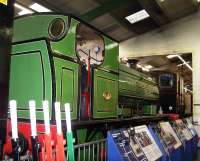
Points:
(58, 58)
(61, 58)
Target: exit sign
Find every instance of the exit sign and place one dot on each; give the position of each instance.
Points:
(4, 2)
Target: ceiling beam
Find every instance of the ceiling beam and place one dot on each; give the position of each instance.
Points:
(103, 9)
(150, 6)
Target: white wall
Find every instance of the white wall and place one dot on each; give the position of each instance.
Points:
(178, 37)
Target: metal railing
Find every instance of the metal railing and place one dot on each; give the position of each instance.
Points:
(91, 151)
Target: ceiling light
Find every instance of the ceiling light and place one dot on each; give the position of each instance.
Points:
(39, 8)
(125, 59)
(187, 90)
(171, 56)
(138, 16)
(149, 66)
(139, 66)
(23, 11)
(145, 69)
(198, 0)
(184, 62)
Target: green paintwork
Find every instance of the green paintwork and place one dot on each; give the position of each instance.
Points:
(28, 82)
(111, 59)
(66, 74)
(126, 112)
(150, 109)
(137, 88)
(103, 9)
(135, 84)
(82, 134)
(105, 82)
(34, 27)
(67, 45)
(30, 76)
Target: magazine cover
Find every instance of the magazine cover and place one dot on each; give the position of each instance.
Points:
(183, 131)
(136, 148)
(168, 136)
(124, 147)
(189, 123)
(190, 126)
(147, 143)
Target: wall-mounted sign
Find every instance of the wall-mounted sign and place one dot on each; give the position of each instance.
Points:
(4, 2)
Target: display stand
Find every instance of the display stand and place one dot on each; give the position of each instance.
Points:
(165, 157)
(186, 137)
(113, 151)
(195, 145)
(195, 140)
(175, 155)
(123, 148)
(188, 153)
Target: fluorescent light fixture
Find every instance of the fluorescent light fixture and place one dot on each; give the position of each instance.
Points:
(149, 66)
(171, 56)
(145, 69)
(138, 16)
(23, 11)
(183, 64)
(187, 90)
(139, 66)
(39, 8)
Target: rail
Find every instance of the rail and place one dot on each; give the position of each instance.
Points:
(91, 151)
